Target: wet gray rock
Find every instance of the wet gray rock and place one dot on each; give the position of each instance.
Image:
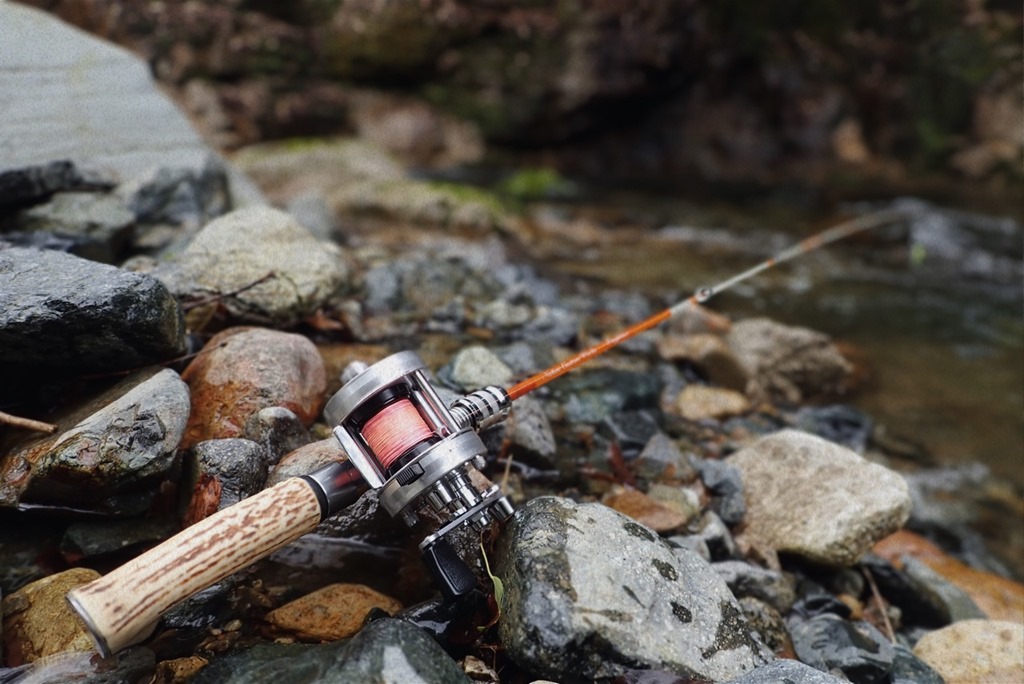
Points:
(818, 500)
(786, 672)
(91, 538)
(589, 396)
(60, 313)
(771, 586)
(98, 225)
(239, 465)
(589, 593)
(788, 364)
(240, 248)
(923, 596)
(385, 652)
(527, 432)
(661, 458)
(31, 183)
(305, 460)
(109, 454)
(907, 668)
(629, 430)
(134, 665)
(278, 430)
(185, 197)
(856, 649)
(723, 480)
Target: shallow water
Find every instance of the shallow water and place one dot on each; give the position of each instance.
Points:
(933, 310)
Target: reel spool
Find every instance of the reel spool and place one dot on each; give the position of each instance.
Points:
(407, 444)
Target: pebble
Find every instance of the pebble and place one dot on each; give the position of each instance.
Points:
(773, 587)
(645, 510)
(386, 651)
(60, 313)
(278, 430)
(336, 611)
(723, 480)
(710, 354)
(975, 652)
(787, 364)
(683, 500)
(38, 622)
(856, 649)
(662, 459)
(769, 625)
(110, 453)
(240, 248)
(475, 367)
(700, 402)
(818, 500)
(589, 594)
(998, 598)
(907, 668)
(99, 225)
(244, 370)
(836, 423)
(238, 465)
(305, 460)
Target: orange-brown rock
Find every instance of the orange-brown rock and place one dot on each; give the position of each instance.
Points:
(644, 509)
(698, 402)
(999, 598)
(243, 370)
(708, 352)
(975, 652)
(335, 612)
(38, 622)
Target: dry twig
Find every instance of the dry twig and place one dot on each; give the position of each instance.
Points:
(27, 423)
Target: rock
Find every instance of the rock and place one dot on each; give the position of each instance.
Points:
(907, 668)
(998, 597)
(31, 183)
(818, 500)
(241, 248)
(589, 594)
(109, 454)
(788, 365)
(720, 544)
(38, 622)
(746, 580)
(786, 672)
(476, 367)
(249, 369)
(723, 480)
(837, 423)
(975, 652)
(769, 626)
(60, 314)
(590, 395)
(336, 611)
(661, 459)
(385, 652)
(100, 225)
(644, 509)
(529, 430)
(179, 670)
(856, 649)
(305, 460)
(930, 602)
(629, 430)
(710, 354)
(132, 665)
(700, 402)
(278, 431)
(479, 671)
(238, 465)
(683, 500)
(92, 538)
(311, 211)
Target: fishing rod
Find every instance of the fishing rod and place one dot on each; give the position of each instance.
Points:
(400, 439)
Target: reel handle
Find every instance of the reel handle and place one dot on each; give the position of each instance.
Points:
(122, 608)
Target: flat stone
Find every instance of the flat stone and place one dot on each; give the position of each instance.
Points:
(249, 369)
(710, 354)
(475, 367)
(38, 622)
(786, 672)
(590, 593)
(336, 611)
(109, 454)
(243, 247)
(817, 499)
(700, 402)
(975, 652)
(856, 649)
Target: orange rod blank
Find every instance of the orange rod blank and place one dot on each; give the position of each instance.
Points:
(825, 237)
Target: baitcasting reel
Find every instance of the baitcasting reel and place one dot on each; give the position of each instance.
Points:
(417, 452)
(401, 440)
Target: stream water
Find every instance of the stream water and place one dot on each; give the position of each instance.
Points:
(931, 308)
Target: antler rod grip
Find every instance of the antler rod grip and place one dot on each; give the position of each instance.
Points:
(122, 607)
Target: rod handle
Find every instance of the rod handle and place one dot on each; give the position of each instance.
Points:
(123, 607)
